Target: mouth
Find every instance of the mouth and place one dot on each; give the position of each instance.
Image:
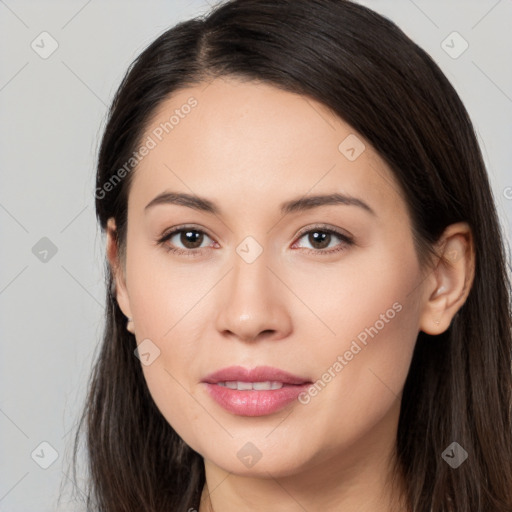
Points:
(254, 392)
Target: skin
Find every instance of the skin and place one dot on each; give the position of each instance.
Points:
(249, 147)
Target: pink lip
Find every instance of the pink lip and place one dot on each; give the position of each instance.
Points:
(258, 374)
(254, 402)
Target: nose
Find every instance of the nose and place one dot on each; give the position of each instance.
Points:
(253, 302)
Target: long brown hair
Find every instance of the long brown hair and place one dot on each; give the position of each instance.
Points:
(364, 68)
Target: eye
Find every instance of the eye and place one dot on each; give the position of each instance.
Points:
(320, 238)
(190, 237)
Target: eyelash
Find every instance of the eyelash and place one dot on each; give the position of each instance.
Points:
(347, 241)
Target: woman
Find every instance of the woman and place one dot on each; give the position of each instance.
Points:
(308, 303)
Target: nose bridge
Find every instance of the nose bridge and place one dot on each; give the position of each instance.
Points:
(251, 277)
(254, 301)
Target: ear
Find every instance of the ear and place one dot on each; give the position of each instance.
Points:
(117, 268)
(449, 282)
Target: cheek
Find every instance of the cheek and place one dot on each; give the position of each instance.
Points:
(365, 289)
(164, 292)
(374, 313)
(375, 365)
(166, 303)
(360, 378)
(169, 390)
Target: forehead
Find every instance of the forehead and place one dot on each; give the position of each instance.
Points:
(230, 138)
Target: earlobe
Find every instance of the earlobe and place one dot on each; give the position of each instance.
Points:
(118, 289)
(129, 325)
(451, 279)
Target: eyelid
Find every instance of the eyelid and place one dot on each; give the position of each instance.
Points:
(184, 227)
(324, 227)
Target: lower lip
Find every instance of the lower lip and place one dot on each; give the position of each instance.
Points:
(252, 402)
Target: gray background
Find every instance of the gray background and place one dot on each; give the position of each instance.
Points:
(52, 114)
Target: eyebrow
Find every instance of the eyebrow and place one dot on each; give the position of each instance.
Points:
(294, 205)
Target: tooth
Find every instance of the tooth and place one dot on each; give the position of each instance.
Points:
(256, 386)
(261, 385)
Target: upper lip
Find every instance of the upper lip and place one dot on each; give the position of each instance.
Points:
(258, 374)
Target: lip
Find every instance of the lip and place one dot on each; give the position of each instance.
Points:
(258, 374)
(254, 402)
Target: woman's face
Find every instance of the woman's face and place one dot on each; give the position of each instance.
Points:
(257, 284)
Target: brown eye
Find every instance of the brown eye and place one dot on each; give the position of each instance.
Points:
(184, 240)
(320, 240)
(191, 239)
